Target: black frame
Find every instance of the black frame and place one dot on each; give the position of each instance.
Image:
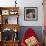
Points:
(31, 9)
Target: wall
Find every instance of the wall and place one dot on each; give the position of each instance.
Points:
(37, 29)
(26, 3)
(31, 3)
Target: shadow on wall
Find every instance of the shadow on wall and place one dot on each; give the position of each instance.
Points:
(37, 29)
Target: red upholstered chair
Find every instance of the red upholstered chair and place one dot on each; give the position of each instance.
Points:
(29, 33)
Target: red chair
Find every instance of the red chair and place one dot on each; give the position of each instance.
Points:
(29, 33)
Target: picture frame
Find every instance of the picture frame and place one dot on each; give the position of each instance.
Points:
(30, 13)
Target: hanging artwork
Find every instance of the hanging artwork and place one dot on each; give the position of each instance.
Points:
(30, 13)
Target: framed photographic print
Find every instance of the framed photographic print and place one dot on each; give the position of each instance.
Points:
(30, 13)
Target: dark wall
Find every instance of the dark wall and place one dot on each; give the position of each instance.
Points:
(37, 29)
